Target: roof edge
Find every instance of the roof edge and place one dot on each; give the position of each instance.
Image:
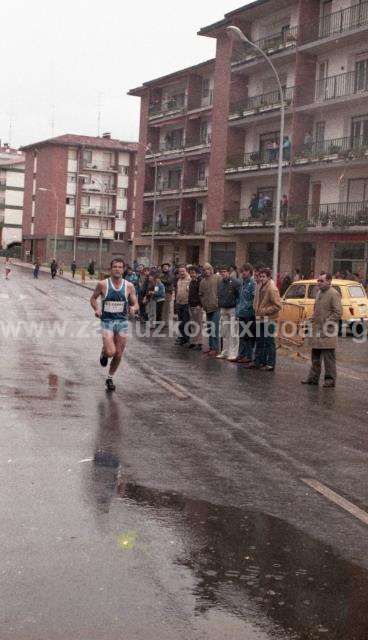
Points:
(138, 91)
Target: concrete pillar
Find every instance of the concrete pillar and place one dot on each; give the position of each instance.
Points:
(287, 256)
(324, 256)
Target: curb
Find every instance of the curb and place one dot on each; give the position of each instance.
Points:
(25, 265)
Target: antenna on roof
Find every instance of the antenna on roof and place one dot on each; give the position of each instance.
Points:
(99, 100)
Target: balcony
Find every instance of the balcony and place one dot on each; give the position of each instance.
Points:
(172, 229)
(101, 166)
(271, 44)
(261, 104)
(201, 141)
(256, 160)
(168, 147)
(340, 86)
(338, 149)
(196, 184)
(107, 234)
(336, 24)
(242, 219)
(97, 189)
(338, 215)
(168, 185)
(170, 106)
(90, 211)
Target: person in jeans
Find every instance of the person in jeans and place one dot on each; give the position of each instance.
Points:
(167, 280)
(267, 306)
(228, 295)
(208, 293)
(182, 294)
(195, 310)
(246, 316)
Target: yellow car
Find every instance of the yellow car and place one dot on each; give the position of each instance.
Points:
(302, 294)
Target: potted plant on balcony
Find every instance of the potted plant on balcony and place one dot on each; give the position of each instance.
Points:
(361, 217)
(299, 222)
(255, 157)
(324, 218)
(339, 220)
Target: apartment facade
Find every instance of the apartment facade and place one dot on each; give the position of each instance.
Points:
(319, 50)
(12, 165)
(81, 191)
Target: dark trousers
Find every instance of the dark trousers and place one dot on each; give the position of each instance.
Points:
(265, 351)
(183, 317)
(213, 329)
(329, 358)
(247, 338)
(159, 309)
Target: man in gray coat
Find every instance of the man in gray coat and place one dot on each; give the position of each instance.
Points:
(323, 332)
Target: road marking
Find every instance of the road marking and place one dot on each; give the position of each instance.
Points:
(177, 390)
(337, 499)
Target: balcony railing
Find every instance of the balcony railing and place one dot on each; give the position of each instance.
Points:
(263, 102)
(336, 23)
(348, 148)
(173, 103)
(169, 185)
(91, 211)
(335, 215)
(242, 218)
(274, 43)
(100, 166)
(200, 141)
(164, 147)
(344, 84)
(198, 184)
(185, 228)
(258, 159)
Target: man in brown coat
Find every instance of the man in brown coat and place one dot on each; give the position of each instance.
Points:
(323, 332)
(267, 306)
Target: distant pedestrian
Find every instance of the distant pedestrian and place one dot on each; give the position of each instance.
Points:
(61, 269)
(182, 296)
(73, 268)
(195, 310)
(53, 269)
(7, 268)
(91, 269)
(324, 330)
(167, 280)
(36, 268)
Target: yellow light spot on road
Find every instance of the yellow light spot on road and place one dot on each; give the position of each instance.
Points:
(127, 540)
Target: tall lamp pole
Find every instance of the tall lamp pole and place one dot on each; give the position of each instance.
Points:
(240, 35)
(57, 216)
(149, 148)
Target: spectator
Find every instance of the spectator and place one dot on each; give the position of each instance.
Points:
(308, 142)
(208, 293)
(253, 206)
(286, 146)
(131, 276)
(195, 310)
(61, 269)
(53, 269)
(167, 280)
(245, 315)
(73, 268)
(182, 294)
(285, 284)
(91, 269)
(228, 295)
(143, 273)
(267, 305)
(284, 209)
(36, 269)
(297, 275)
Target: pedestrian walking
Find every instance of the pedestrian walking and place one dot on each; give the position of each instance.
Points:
(7, 268)
(208, 293)
(267, 306)
(246, 316)
(61, 269)
(73, 268)
(195, 310)
(53, 269)
(91, 269)
(323, 332)
(228, 295)
(36, 268)
(182, 295)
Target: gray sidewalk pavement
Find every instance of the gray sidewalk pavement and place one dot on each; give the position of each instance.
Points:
(67, 275)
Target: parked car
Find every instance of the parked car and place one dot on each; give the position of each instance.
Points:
(303, 294)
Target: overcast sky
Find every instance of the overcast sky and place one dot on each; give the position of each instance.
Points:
(67, 52)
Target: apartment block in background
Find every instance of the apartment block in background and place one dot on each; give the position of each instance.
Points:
(319, 48)
(80, 189)
(12, 164)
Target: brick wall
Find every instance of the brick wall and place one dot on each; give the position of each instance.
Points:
(52, 167)
(143, 131)
(28, 186)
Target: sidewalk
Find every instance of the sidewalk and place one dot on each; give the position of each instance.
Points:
(88, 284)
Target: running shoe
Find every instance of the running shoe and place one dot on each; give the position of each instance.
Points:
(109, 385)
(103, 360)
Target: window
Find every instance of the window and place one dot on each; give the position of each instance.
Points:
(313, 290)
(261, 253)
(203, 132)
(359, 130)
(70, 200)
(84, 223)
(125, 171)
(223, 253)
(69, 223)
(72, 177)
(122, 193)
(205, 87)
(201, 171)
(361, 75)
(296, 291)
(65, 245)
(356, 292)
(358, 190)
(72, 154)
(87, 156)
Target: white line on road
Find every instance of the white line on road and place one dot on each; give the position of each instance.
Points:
(337, 499)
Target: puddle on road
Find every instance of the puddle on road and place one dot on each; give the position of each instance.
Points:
(253, 566)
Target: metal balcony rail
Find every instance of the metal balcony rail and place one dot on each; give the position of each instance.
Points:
(262, 101)
(202, 140)
(347, 148)
(173, 103)
(336, 23)
(258, 159)
(270, 44)
(336, 214)
(101, 166)
(168, 185)
(161, 227)
(196, 183)
(90, 211)
(344, 84)
(244, 218)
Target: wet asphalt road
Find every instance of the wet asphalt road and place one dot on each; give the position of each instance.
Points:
(141, 515)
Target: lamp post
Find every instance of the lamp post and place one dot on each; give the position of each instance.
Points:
(240, 35)
(149, 148)
(57, 215)
(102, 217)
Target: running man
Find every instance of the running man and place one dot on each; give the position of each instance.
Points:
(118, 300)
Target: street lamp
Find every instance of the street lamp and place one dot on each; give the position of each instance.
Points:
(149, 148)
(57, 215)
(240, 35)
(103, 190)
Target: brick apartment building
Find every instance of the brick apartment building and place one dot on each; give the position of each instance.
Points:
(214, 130)
(82, 189)
(11, 198)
